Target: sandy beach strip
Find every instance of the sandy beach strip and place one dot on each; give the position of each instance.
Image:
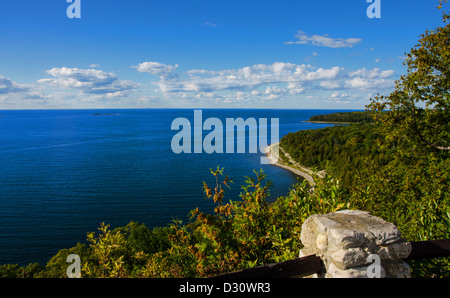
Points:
(272, 153)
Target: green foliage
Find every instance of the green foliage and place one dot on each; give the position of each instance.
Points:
(418, 109)
(15, 271)
(412, 190)
(340, 150)
(397, 168)
(140, 238)
(239, 234)
(408, 186)
(112, 254)
(250, 231)
(344, 117)
(57, 266)
(108, 251)
(245, 233)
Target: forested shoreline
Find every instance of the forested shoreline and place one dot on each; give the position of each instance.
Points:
(343, 117)
(339, 150)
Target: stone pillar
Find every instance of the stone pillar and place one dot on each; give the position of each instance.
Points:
(355, 244)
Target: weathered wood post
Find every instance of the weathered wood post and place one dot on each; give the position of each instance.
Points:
(355, 244)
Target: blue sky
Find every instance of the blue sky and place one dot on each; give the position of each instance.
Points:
(205, 54)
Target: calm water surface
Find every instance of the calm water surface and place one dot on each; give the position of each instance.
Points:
(63, 172)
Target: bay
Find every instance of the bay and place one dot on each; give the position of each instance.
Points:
(63, 172)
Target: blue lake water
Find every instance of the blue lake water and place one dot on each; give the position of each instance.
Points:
(63, 172)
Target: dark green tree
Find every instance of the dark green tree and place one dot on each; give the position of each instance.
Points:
(412, 190)
(419, 108)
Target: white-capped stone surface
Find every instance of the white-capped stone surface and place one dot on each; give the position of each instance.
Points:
(345, 240)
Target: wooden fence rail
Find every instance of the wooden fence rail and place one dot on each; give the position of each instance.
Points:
(429, 249)
(301, 267)
(298, 267)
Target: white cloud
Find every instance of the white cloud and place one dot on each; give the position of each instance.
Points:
(371, 73)
(15, 95)
(330, 84)
(295, 88)
(89, 81)
(163, 71)
(261, 82)
(308, 58)
(339, 96)
(343, 98)
(325, 41)
(210, 24)
(365, 83)
(247, 86)
(370, 79)
(247, 78)
(9, 86)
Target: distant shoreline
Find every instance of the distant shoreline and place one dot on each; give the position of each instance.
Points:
(327, 122)
(105, 114)
(277, 161)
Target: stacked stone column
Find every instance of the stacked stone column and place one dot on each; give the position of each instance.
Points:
(355, 244)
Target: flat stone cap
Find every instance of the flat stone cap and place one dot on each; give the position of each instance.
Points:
(347, 238)
(347, 228)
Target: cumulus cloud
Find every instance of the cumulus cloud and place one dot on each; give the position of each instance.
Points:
(16, 95)
(9, 86)
(370, 79)
(89, 81)
(243, 79)
(340, 96)
(371, 73)
(253, 84)
(261, 82)
(325, 41)
(165, 72)
(363, 83)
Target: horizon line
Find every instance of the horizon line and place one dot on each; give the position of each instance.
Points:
(240, 108)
